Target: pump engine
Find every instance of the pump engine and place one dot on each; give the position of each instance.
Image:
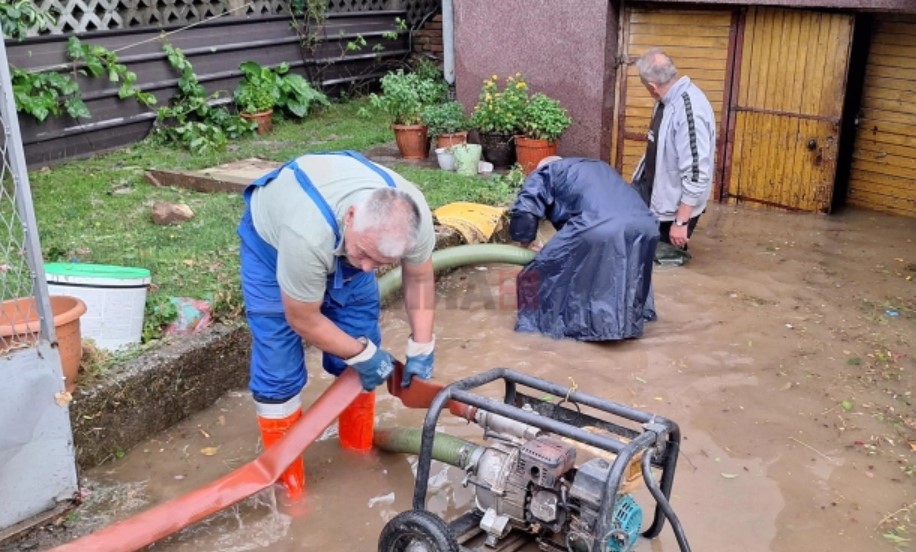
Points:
(533, 485)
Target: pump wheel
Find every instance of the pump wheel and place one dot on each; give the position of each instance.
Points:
(417, 531)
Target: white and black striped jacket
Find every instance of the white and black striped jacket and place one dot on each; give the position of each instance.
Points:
(686, 155)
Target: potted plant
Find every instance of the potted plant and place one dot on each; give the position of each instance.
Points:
(447, 123)
(544, 120)
(497, 117)
(257, 94)
(403, 98)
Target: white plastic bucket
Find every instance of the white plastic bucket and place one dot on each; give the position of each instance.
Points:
(115, 298)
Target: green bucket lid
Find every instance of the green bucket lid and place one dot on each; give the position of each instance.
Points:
(82, 270)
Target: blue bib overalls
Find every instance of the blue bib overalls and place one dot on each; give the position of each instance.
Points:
(351, 298)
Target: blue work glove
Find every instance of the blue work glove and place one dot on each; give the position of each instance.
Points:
(373, 365)
(420, 359)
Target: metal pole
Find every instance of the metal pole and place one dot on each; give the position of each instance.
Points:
(20, 177)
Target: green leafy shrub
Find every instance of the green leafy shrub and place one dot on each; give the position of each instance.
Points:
(47, 93)
(18, 16)
(191, 119)
(445, 118)
(263, 88)
(405, 95)
(544, 118)
(297, 96)
(501, 110)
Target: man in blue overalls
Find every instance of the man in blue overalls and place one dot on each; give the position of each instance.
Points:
(312, 235)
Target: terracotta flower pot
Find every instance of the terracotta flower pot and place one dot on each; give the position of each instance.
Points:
(19, 325)
(453, 139)
(412, 140)
(530, 151)
(263, 119)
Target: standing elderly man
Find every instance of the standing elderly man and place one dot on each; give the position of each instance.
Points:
(312, 234)
(593, 279)
(675, 174)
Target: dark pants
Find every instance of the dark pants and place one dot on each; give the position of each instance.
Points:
(664, 228)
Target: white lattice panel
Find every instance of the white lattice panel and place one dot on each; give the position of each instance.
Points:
(82, 15)
(78, 16)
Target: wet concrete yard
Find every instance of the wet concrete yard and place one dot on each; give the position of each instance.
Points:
(784, 351)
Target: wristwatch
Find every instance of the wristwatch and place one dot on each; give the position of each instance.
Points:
(681, 222)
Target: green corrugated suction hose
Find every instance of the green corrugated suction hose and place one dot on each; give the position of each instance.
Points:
(461, 255)
(453, 451)
(446, 448)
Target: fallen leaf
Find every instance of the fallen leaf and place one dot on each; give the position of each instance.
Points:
(913, 447)
(847, 405)
(204, 433)
(892, 537)
(62, 398)
(640, 380)
(729, 475)
(209, 451)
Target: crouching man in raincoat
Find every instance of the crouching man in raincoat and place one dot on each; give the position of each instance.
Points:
(592, 280)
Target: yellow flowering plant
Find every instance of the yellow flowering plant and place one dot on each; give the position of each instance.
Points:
(501, 110)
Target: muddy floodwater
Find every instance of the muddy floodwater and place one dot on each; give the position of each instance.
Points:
(784, 350)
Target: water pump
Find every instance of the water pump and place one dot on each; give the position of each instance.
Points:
(527, 484)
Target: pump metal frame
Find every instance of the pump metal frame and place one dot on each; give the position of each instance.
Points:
(658, 435)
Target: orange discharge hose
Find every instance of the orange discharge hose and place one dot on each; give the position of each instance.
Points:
(174, 515)
(171, 516)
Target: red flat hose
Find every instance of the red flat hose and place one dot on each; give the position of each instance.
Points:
(170, 517)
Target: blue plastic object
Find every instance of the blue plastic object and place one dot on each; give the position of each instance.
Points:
(627, 519)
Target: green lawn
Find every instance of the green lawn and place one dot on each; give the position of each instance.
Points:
(97, 210)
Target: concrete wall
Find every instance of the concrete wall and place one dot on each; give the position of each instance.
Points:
(564, 49)
(37, 467)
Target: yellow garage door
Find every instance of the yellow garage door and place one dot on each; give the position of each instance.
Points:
(699, 42)
(883, 173)
(787, 110)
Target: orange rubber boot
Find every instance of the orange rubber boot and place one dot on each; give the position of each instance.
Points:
(272, 429)
(356, 425)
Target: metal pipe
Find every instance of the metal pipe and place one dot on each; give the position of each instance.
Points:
(448, 42)
(19, 173)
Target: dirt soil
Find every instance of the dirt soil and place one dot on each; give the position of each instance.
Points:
(784, 350)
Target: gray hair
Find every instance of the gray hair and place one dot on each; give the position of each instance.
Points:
(656, 67)
(393, 216)
(547, 160)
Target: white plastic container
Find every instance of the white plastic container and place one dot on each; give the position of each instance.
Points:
(115, 298)
(446, 159)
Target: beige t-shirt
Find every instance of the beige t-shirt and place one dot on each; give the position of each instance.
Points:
(287, 218)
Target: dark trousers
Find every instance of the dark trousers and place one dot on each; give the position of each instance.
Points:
(664, 228)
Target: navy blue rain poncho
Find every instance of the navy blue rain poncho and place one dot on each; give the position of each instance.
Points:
(592, 281)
